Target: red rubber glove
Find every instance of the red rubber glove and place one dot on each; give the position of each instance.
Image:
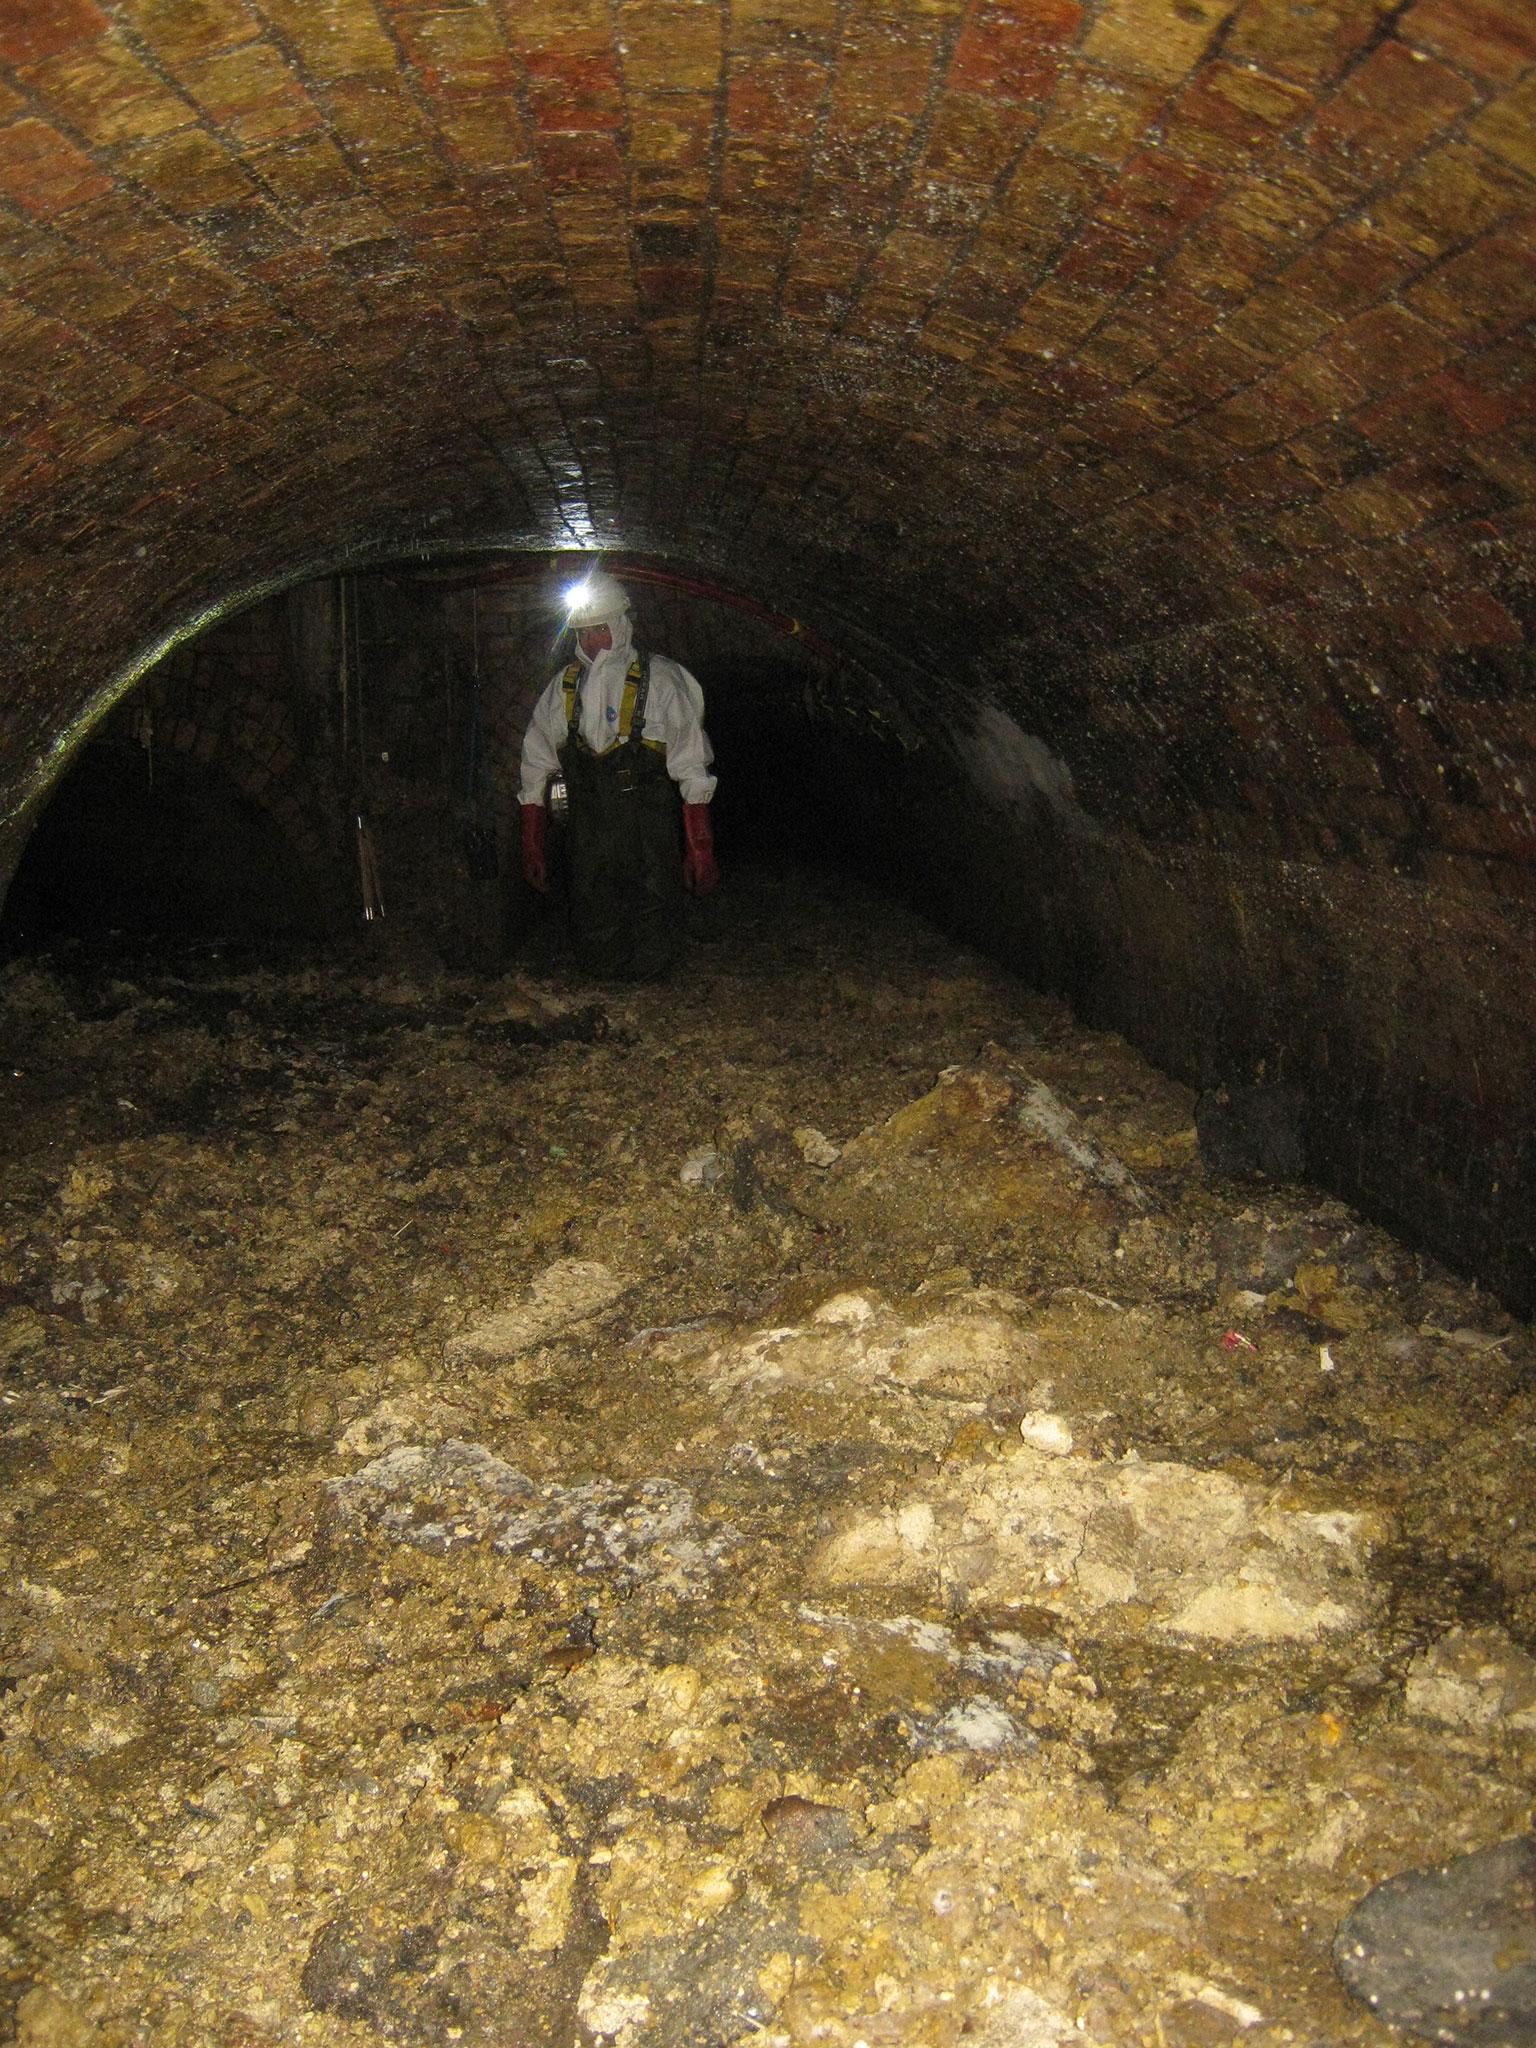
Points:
(699, 871)
(535, 856)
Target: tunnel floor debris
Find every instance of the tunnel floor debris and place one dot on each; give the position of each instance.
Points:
(781, 1508)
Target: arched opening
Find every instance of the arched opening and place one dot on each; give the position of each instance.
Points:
(172, 851)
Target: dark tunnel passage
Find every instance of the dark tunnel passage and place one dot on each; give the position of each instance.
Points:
(188, 859)
(229, 794)
(219, 798)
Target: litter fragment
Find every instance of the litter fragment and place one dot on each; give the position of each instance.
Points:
(1238, 2009)
(815, 1148)
(1040, 1111)
(1046, 1432)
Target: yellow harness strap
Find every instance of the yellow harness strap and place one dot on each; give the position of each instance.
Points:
(570, 684)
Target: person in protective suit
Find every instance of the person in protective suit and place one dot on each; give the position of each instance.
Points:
(623, 730)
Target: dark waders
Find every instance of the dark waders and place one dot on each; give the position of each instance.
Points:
(623, 857)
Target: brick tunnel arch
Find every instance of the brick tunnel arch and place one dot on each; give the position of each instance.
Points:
(1138, 389)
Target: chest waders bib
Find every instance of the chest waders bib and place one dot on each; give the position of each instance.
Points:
(622, 858)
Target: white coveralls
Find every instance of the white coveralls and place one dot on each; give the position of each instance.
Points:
(674, 715)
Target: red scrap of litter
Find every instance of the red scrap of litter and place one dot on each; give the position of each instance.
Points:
(1234, 1340)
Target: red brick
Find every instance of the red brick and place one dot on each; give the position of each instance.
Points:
(974, 139)
(183, 30)
(42, 28)
(1495, 41)
(458, 55)
(775, 99)
(41, 171)
(1150, 205)
(1485, 289)
(1476, 410)
(671, 284)
(1009, 59)
(1101, 263)
(252, 93)
(580, 160)
(1228, 113)
(1347, 271)
(1475, 618)
(1206, 369)
(575, 91)
(1507, 126)
(1156, 198)
(1056, 22)
(1387, 110)
(1100, 115)
(106, 94)
(335, 39)
(1494, 830)
(1384, 347)
(1352, 768)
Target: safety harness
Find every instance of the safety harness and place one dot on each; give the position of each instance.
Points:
(637, 689)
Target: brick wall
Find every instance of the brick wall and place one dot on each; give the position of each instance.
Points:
(239, 699)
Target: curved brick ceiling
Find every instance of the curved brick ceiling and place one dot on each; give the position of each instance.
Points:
(1094, 320)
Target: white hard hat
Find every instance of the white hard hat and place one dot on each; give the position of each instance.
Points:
(597, 600)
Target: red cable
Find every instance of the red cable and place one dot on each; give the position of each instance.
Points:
(689, 586)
